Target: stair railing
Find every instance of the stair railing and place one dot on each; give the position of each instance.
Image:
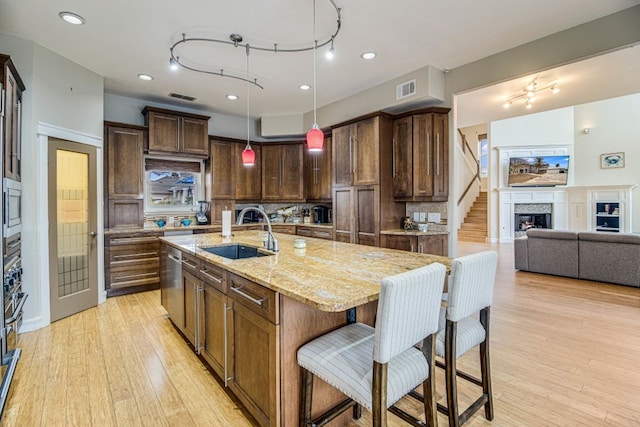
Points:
(476, 178)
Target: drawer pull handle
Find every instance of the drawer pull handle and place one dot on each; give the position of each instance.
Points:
(211, 276)
(144, 254)
(188, 264)
(249, 297)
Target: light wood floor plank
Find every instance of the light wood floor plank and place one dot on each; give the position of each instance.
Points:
(564, 352)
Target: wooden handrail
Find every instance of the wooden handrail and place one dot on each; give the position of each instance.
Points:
(476, 177)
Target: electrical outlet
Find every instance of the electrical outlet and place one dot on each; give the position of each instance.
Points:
(434, 217)
(416, 216)
(423, 217)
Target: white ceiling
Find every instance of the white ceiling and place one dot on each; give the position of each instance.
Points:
(122, 38)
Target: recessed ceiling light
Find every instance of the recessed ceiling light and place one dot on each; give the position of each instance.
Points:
(71, 18)
(232, 97)
(145, 77)
(368, 55)
(304, 87)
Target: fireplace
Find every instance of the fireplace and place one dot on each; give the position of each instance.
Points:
(532, 215)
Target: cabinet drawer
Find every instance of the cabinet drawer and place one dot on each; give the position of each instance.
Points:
(256, 298)
(304, 231)
(284, 229)
(323, 234)
(191, 264)
(127, 277)
(213, 276)
(133, 255)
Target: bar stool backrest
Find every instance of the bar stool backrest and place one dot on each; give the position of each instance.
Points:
(471, 284)
(408, 310)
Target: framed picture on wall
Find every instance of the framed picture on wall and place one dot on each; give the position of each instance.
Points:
(612, 160)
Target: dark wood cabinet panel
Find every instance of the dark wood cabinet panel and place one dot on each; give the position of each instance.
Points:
(366, 148)
(317, 173)
(215, 307)
(424, 244)
(403, 243)
(367, 215)
(132, 263)
(11, 117)
(191, 284)
(223, 170)
(176, 132)
(341, 156)
(282, 172)
(125, 213)
(124, 162)
(248, 179)
(421, 156)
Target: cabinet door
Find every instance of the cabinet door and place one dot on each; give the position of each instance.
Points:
(403, 157)
(317, 173)
(367, 221)
(253, 379)
(248, 179)
(342, 154)
(223, 170)
(343, 219)
(271, 171)
(194, 139)
(366, 148)
(394, 241)
(124, 162)
(132, 262)
(12, 133)
(435, 245)
(423, 173)
(440, 156)
(164, 132)
(214, 346)
(292, 187)
(126, 213)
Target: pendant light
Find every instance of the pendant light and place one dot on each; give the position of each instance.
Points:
(315, 137)
(248, 155)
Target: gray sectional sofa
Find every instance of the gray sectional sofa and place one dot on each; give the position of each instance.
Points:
(603, 257)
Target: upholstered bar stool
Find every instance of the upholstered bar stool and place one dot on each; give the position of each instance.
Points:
(461, 329)
(377, 367)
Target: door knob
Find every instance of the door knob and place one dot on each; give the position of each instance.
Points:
(93, 234)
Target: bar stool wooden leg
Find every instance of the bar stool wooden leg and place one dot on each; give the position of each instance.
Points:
(429, 386)
(306, 395)
(450, 373)
(379, 404)
(485, 365)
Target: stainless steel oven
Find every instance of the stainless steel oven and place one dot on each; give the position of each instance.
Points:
(11, 207)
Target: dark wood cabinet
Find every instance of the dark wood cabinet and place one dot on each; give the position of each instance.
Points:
(223, 170)
(132, 263)
(356, 213)
(425, 244)
(317, 232)
(172, 132)
(253, 330)
(282, 172)
(421, 156)
(123, 166)
(11, 116)
(215, 310)
(317, 173)
(248, 179)
(356, 153)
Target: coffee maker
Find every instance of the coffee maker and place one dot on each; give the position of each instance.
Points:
(321, 214)
(201, 214)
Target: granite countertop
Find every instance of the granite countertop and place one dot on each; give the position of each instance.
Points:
(403, 232)
(331, 276)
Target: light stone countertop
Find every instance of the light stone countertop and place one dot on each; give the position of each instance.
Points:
(331, 276)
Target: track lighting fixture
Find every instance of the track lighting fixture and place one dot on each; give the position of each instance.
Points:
(530, 92)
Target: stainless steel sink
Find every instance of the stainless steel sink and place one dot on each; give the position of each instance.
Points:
(236, 251)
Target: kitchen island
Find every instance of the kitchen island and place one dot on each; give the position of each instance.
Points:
(248, 317)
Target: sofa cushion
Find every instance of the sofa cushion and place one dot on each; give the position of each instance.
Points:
(610, 257)
(629, 238)
(557, 255)
(552, 234)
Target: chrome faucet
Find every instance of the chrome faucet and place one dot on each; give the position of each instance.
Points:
(272, 243)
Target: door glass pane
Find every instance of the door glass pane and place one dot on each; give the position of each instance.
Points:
(73, 222)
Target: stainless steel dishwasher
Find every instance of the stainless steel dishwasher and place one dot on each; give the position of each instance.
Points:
(175, 287)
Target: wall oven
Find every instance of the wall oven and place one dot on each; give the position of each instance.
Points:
(11, 207)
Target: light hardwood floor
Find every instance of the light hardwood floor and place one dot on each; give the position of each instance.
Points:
(563, 353)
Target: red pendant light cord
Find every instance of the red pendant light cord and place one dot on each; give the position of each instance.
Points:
(315, 136)
(248, 155)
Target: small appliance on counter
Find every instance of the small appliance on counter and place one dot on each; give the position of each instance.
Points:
(321, 214)
(201, 214)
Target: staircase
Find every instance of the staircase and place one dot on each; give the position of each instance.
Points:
(474, 227)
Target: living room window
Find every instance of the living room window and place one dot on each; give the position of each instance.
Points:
(483, 153)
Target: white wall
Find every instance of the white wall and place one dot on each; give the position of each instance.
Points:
(614, 126)
(49, 98)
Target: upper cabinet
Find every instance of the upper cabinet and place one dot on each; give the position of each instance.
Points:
(317, 173)
(123, 166)
(248, 178)
(356, 159)
(421, 156)
(230, 179)
(172, 132)
(282, 172)
(11, 111)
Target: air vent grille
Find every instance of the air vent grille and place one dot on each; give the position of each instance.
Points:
(179, 96)
(406, 89)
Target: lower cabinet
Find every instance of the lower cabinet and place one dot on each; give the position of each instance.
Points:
(214, 345)
(436, 244)
(319, 233)
(132, 263)
(252, 335)
(193, 309)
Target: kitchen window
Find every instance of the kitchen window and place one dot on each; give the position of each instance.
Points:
(172, 186)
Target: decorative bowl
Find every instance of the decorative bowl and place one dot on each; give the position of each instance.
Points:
(185, 222)
(161, 223)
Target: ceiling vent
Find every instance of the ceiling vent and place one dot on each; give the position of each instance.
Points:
(406, 89)
(179, 96)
